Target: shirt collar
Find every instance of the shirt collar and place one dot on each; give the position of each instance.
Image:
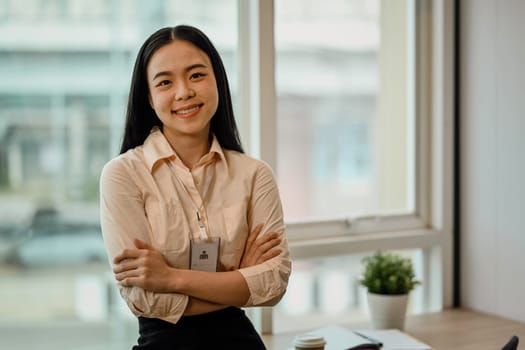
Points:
(156, 148)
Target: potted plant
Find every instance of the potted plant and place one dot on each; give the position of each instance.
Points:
(388, 278)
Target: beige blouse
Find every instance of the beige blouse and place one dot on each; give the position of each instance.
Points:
(149, 194)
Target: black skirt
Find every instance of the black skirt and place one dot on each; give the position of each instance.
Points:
(224, 329)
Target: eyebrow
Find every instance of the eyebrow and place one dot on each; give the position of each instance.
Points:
(187, 69)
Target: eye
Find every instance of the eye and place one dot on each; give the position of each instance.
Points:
(163, 83)
(197, 75)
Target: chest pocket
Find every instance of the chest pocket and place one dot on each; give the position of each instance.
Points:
(170, 231)
(237, 230)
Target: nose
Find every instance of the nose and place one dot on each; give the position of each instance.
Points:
(183, 91)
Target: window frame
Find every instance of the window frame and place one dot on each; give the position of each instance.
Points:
(430, 227)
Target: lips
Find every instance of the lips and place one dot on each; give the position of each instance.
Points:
(187, 110)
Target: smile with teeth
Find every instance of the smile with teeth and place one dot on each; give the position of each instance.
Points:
(187, 110)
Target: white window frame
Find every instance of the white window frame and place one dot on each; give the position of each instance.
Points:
(430, 228)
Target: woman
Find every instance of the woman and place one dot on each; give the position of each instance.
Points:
(194, 228)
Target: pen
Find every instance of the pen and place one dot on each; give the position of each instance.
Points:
(375, 341)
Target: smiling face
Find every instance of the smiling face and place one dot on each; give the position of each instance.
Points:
(182, 90)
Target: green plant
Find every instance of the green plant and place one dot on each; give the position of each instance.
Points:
(388, 273)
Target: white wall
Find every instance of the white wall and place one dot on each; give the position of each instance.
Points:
(493, 156)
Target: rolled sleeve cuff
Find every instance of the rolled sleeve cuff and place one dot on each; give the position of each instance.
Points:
(166, 306)
(267, 282)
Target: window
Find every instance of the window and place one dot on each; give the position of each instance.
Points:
(361, 121)
(328, 61)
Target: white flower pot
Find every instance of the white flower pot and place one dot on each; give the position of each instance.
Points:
(387, 311)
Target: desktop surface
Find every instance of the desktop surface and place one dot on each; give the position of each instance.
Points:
(451, 329)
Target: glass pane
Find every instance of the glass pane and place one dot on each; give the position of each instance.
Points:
(344, 125)
(65, 68)
(324, 291)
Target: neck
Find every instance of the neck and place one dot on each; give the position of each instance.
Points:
(190, 149)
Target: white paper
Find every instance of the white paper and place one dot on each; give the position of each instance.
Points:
(394, 339)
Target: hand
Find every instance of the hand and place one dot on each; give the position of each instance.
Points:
(143, 267)
(259, 250)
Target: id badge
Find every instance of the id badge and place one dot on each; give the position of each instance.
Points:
(204, 254)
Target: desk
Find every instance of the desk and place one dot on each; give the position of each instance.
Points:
(451, 329)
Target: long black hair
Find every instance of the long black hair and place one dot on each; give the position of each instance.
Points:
(141, 118)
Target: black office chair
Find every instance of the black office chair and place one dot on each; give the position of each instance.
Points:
(512, 344)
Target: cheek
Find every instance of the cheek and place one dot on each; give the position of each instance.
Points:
(213, 96)
(215, 103)
(158, 101)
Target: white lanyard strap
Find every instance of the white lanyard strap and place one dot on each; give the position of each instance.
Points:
(202, 228)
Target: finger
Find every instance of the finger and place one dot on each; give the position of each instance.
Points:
(255, 245)
(256, 255)
(269, 255)
(141, 244)
(257, 230)
(261, 246)
(266, 237)
(266, 251)
(126, 274)
(266, 245)
(126, 254)
(126, 265)
(253, 237)
(255, 233)
(131, 281)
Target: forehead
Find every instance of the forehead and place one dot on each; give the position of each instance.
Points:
(177, 55)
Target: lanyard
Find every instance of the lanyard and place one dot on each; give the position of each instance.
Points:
(202, 228)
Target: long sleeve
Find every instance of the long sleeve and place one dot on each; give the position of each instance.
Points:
(123, 218)
(267, 281)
